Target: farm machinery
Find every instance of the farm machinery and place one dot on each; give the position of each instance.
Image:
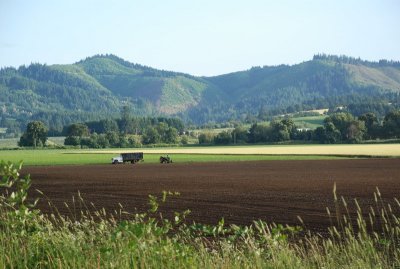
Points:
(133, 158)
(166, 159)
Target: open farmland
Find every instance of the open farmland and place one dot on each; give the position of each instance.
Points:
(368, 150)
(79, 157)
(275, 191)
(6, 143)
(203, 154)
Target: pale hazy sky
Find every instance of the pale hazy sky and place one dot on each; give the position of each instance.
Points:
(206, 37)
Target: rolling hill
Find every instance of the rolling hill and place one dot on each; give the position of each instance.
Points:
(98, 86)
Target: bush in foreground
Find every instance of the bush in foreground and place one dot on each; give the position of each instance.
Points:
(96, 239)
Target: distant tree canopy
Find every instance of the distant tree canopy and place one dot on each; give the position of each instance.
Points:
(35, 135)
(344, 127)
(341, 127)
(78, 129)
(352, 60)
(126, 131)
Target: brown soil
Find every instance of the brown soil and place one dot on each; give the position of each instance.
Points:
(275, 191)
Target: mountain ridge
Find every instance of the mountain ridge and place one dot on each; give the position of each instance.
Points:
(100, 85)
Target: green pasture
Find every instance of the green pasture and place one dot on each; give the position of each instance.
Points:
(311, 122)
(73, 157)
(9, 143)
(13, 142)
(202, 154)
(53, 157)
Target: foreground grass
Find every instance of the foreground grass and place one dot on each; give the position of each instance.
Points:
(76, 157)
(95, 239)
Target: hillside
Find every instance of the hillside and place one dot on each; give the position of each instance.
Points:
(99, 86)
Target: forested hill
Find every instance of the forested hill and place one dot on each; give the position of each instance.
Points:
(99, 86)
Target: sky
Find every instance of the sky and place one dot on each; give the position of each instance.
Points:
(208, 37)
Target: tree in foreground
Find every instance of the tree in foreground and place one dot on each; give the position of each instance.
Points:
(35, 135)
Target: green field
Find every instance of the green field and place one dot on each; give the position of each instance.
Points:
(9, 143)
(65, 157)
(13, 142)
(202, 154)
(311, 122)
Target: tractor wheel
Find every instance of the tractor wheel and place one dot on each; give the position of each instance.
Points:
(115, 162)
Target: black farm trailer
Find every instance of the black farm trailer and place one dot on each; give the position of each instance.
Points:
(133, 157)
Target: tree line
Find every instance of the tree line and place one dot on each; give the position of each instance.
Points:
(126, 131)
(341, 127)
(356, 61)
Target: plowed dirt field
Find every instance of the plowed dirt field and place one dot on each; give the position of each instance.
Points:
(275, 191)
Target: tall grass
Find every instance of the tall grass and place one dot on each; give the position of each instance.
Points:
(90, 238)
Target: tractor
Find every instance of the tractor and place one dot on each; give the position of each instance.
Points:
(166, 159)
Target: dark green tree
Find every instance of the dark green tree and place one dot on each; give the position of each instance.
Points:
(35, 135)
(78, 134)
(167, 134)
(151, 136)
(280, 130)
(319, 134)
(259, 133)
(332, 134)
(240, 135)
(78, 129)
(102, 141)
(223, 138)
(341, 121)
(391, 124)
(126, 123)
(350, 129)
(109, 125)
(371, 124)
(184, 140)
(72, 141)
(113, 139)
(206, 138)
(356, 131)
(170, 136)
